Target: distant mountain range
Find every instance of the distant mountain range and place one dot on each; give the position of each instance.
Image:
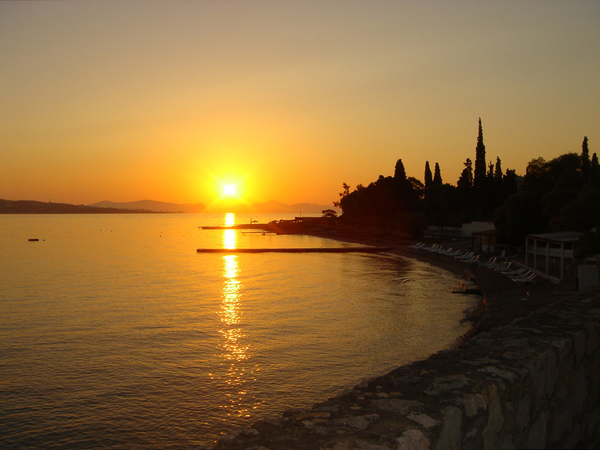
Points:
(266, 207)
(149, 206)
(34, 207)
(152, 205)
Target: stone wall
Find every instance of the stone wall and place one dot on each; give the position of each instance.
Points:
(531, 384)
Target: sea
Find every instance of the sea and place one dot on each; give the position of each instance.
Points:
(115, 333)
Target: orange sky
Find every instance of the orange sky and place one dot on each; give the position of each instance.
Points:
(126, 101)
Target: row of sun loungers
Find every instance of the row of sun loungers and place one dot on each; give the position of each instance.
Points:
(519, 276)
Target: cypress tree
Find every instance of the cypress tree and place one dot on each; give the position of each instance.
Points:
(437, 177)
(585, 163)
(428, 176)
(498, 170)
(399, 172)
(480, 164)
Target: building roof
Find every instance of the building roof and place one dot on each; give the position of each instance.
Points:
(563, 236)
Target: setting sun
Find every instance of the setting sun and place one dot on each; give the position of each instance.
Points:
(229, 189)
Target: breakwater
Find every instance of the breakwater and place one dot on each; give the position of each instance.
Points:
(298, 250)
(530, 384)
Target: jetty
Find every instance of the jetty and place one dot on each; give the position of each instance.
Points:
(298, 250)
(299, 225)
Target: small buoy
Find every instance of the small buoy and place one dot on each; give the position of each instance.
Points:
(33, 240)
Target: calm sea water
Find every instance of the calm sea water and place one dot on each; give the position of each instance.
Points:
(115, 333)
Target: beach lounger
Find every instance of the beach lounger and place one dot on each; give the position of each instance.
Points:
(515, 273)
(503, 267)
(474, 260)
(489, 264)
(529, 278)
(466, 256)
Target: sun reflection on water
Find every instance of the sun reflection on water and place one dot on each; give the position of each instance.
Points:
(229, 219)
(234, 351)
(229, 239)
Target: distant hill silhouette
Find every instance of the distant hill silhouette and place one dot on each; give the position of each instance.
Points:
(266, 207)
(152, 205)
(33, 207)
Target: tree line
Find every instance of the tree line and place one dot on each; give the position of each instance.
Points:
(557, 195)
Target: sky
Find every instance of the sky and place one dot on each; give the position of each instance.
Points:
(287, 100)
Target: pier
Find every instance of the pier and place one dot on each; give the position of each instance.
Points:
(298, 250)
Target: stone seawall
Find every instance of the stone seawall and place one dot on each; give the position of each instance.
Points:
(532, 384)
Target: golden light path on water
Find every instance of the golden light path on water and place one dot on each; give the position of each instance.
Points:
(234, 350)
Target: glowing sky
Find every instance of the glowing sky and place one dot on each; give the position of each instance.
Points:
(125, 101)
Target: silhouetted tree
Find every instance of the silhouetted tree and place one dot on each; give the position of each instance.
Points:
(595, 170)
(554, 198)
(466, 177)
(519, 217)
(498, 170)
(509, 184)
(480, 164)
(581, 214)
(585, 161)
(437, 177)
(428, 176)
(399, 172)
(343, 194)
(329, 213)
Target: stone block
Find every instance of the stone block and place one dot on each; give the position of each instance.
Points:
(573, 437)
(364, 445)
(551, 372)
(523, 416)
(413, 440)
(502, 373)
(563, 345)
(451, 434)
(505, 442)
(472, 403)
(446, 384)
(579, 392)
(537, 368)
(591, 330)
(424, 420)
(495, 419)
(579, 344)
(359, 422)
(560, 422)
(537, 433)
(396, 405)
(591, 427)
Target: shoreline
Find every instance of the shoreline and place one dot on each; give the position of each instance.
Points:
(502, 300)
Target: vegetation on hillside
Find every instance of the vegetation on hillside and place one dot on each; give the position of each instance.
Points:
(558, 195)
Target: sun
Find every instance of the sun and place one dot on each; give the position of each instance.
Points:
(229, 190)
